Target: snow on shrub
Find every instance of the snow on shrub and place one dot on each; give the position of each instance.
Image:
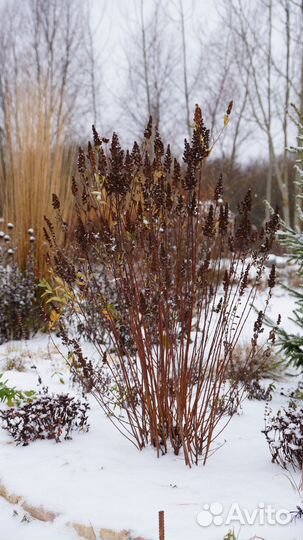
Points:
(284, 435)
(49, 417)
(19, 309)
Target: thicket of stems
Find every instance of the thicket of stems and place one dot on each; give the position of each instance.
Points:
(184, 272)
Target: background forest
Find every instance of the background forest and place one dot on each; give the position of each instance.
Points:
(67, 65)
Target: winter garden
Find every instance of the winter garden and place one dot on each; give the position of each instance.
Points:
(151, 310)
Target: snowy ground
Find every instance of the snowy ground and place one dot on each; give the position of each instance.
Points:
(100, 480)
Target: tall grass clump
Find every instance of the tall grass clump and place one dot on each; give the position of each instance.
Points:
(37, 162)
(171, 277)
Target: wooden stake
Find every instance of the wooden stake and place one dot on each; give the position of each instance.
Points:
(161, 525)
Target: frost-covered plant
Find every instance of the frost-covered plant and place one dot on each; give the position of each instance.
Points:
(19, 309)
(294, 393)
(48, 417)
(284, 435)
(185, 273)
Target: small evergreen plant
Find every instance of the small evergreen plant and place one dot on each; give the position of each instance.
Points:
(292, 343)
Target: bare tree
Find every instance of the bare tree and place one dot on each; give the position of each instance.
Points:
(47, 51)
(268, 81)
(185, 68)
(54, 53)
(218, 83)
(298, 105)
(152, 61)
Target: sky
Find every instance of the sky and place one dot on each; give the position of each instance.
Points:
(112, 21)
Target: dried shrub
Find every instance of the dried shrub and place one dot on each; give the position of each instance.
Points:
(249, 367)
(284, 435)
(255, 390)
(264, 364)
(142, 219)
(85, 323)
(48, 417)
(230, 401)
(20, 315)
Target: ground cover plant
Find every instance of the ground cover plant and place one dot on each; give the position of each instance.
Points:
(45, 417)
(185, 272)
(20, 316)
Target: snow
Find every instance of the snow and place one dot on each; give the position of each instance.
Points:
(14, 525)
(99, 479)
